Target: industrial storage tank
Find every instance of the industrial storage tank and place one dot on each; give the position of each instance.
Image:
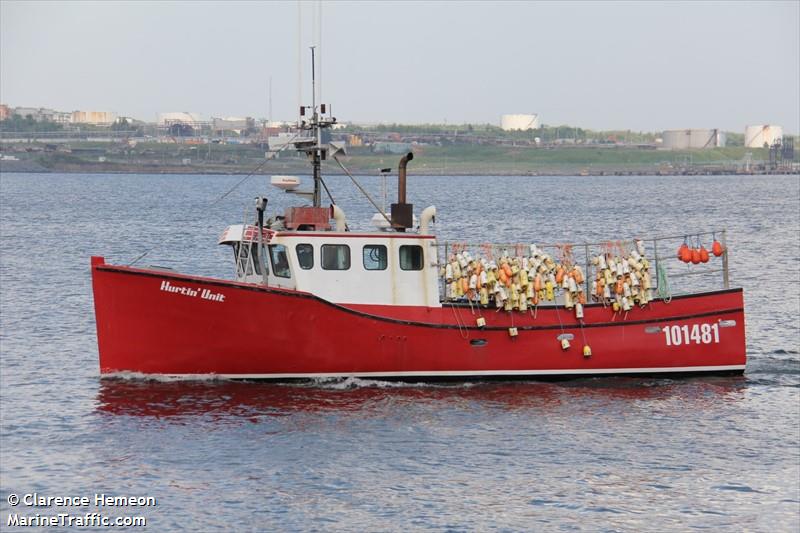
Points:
(693, 139)
(759, 135)
(93, 117)
(179, 117)
(519, 122)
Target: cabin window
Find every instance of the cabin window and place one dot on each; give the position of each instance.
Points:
(280, 262)
(247, 264)
(239, 266)
(305, 256)
(411, 257)
(335, 257)
(375, 257)
(254, 254)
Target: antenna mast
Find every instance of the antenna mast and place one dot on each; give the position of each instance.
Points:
(313, 146)
(316, 131)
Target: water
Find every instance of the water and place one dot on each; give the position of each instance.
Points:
(599, 454)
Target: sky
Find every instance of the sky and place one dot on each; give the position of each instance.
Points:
(643, 66)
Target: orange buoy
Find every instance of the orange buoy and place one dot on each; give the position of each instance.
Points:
(464, 285)
(507, 270)
(695, 256)
(618, 288)
(703, 255)
(685, 253)
(559, 275)
(717, 248)
(537, 283)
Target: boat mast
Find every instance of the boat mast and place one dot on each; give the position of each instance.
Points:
(313, 147)
(317, 133)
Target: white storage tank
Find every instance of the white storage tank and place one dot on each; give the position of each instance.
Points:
(519, 122)
(762, 134)
(692, 139)
(182, 117)
(92, 117)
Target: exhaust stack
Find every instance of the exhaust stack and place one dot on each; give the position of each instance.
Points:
(402, 213)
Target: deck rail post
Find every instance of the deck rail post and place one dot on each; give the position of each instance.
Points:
(443, 285)
(655, 262)
(586, 276)
(725, 279)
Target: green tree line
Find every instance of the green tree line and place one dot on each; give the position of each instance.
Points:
(28, 124)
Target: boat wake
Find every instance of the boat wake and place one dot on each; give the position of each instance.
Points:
(774, 370)
(162, 378)
(325, 383)
(352, 382)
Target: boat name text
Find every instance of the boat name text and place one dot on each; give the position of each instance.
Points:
(204, 294)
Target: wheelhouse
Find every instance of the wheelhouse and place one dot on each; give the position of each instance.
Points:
(342, 267)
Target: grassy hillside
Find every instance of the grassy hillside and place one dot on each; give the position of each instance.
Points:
(504, 159)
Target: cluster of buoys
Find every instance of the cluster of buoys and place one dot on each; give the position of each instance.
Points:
(517, 283)
(623, 279)
(514, 283)
(698, 254)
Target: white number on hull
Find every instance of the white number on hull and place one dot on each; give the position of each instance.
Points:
(698, 334)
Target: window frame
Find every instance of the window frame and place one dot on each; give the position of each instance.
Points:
(297, 253)
(421, 257)
(385, 257)
(255, 258)
(349, 257)
(275, 271)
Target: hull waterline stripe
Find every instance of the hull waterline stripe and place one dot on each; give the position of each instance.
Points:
(454, 373)
(296, 294)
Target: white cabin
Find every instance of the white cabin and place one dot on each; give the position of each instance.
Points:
(341, 267)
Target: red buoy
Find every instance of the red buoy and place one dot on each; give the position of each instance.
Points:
(703, 255)
(695, 256)
(716, 248)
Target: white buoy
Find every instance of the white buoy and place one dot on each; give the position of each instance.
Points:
(573, 287)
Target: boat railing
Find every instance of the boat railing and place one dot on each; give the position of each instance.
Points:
(670, 275)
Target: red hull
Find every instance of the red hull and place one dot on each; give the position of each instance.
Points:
(155, 322)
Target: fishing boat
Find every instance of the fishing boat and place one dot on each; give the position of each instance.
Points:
(311, 299)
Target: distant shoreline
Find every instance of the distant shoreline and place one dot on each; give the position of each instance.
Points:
(429, 160)
(31, 167)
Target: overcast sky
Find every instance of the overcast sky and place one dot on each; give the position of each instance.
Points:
(601, 65)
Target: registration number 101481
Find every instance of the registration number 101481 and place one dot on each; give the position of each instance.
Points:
(696, 334)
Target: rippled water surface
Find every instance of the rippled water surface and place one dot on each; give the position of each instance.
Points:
(600, 454)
